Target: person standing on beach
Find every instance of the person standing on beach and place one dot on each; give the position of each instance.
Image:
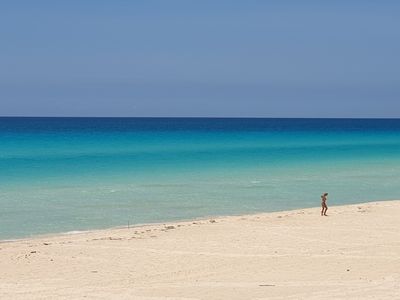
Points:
(324, 198)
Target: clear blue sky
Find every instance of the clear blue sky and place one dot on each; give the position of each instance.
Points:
(200, 58)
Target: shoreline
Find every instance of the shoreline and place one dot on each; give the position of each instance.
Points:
(353, 253)
(199, 219)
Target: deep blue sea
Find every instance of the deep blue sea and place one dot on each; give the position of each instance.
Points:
(67, 174)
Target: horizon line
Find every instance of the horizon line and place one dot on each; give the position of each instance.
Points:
(195, 117)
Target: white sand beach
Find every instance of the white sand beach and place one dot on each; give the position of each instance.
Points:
(354, 253)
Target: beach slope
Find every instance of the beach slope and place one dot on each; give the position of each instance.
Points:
(354, 253)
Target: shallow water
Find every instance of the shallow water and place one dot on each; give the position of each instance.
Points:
(63, 174)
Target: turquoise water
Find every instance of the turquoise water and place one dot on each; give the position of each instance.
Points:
(65, 174)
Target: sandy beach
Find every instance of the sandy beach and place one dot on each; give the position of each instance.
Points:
(354, 253)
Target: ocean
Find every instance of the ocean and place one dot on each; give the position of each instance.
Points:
(71, 174)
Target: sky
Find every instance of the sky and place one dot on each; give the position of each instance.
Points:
(219, 58)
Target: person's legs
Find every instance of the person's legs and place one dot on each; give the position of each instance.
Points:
(326, 208)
